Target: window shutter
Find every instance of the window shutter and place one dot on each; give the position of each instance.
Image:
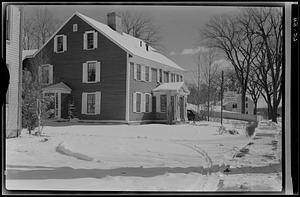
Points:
(134, 102)
(95, 39)
(64, 43)
(84, 103)
(40, 74)
(150, 103)
(158, 103)
(98, 102)
(98, 71)
(162, 76)
(135, 71)
(143, 103)
(150, 74)
(143, 73)
(55, 44)
(84, 72)
(84, 41)
(50, 74)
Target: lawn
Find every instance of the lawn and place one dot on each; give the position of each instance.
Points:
(150, 157)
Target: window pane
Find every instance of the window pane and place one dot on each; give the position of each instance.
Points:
(139, 71)
(166, 77)
(147, 73)
(91, 71)
(8, 23)
(147, 102)
(60, 43)
(163, 103)
(91, 103)
(160, 75)
(90, 40)
(138, 102)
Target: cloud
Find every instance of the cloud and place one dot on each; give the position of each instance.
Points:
(172, 53)
(194, 51)
(224, 64)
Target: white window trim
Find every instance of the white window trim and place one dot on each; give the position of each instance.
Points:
(150, 103)
(86, 37)
(40, 74)
(55, 40)
(141, 111)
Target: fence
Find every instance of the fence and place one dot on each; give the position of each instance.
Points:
(235, 116)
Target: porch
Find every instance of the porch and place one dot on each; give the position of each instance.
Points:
(176, 101)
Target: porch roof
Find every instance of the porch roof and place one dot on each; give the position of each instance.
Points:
(58, 87)
(178, 87)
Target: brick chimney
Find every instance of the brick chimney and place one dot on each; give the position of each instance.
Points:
(114, 21)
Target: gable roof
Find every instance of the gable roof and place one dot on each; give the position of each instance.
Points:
(58, 86)
(125, 41)
(177, 86)
(28, 53)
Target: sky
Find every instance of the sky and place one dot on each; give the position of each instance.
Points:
(179, 26)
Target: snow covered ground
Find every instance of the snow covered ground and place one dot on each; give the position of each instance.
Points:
(151, 157)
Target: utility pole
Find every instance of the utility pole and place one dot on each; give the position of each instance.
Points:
(222, 97)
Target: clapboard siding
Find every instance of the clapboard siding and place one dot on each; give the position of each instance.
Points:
(13, 60)
(145, 87)
(67, 68)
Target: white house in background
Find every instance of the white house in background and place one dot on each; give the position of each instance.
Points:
(233, 102)
(13, 63)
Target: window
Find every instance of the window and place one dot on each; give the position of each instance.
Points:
(153, 103)
(91, 103)
(60, 43)
(92, 72)
(172, 77)
(246, 112)
(90, 40)
(177, 78)
(246, 105)
(147, 102)
(163, 103)
(234, 105)
(139, 72)
(160, 75)
(166, 77)
(181, 78)
(75, 27)
(138, 102)
(8, 20)
(147, 73)
(246, 98)
(46, 74)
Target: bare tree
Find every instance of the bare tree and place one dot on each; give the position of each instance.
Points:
(209, 73)
(268, 64)
(254, 89)
(233, 36)
(39, 27)
(141, 26)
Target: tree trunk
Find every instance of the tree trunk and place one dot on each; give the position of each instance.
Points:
(255, 107)
(243, 101)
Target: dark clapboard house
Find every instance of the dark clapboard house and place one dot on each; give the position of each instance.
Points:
(108, 75)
